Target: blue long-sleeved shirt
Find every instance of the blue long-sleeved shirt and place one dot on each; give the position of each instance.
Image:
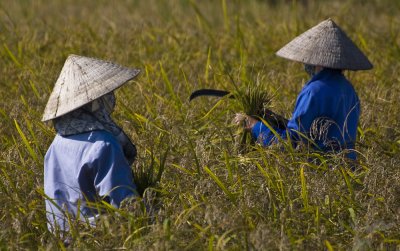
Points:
(326, 115)
(83, 168)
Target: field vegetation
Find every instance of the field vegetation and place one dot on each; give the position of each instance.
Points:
(213, 193)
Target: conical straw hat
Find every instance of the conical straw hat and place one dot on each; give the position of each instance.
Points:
(82, 80)
(326, 45)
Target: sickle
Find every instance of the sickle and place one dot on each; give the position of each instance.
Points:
(209, 92)
(271, 117)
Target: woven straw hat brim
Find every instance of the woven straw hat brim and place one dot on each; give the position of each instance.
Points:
(327, 45)
(82, 80)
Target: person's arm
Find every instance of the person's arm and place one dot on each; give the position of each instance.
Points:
(259, 131)
(306, 110)
(113, 179)
(263, 134)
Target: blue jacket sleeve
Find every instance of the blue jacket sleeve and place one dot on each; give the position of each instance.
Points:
(306, 110)
(113, 179)
(263, 134)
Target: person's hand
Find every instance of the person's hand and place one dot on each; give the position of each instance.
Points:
(245, 120)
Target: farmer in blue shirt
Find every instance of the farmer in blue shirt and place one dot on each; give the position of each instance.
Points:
(89, 159)
(327, 109)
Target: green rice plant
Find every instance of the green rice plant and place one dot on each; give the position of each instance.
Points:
(184, 45)
(148, 175)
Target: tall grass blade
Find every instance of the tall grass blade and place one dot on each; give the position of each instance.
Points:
(352, 215)
(228, 166)
(328, 245)
(33, 135)
(170, 88)
(208, 64)
(182, 217)
(304, 193)
(225, 13)
(317, 218)
(11, 56)
(148, 175)
(219, 183)
(193, 150)
(34, 89)
(266, 175)
(200, 16)
(211, 243)
(364, 44)
(224, 239)
(348, 183)
(183, 169)
(32, 153)
(219, 102)
(274, 177)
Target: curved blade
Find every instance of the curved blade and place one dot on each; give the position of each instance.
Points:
(209, 92)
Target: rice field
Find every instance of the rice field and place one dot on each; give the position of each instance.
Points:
(209, 187)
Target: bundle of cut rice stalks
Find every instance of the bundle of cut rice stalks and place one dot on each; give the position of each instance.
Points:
(253, 99)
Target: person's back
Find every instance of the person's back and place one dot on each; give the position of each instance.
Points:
(78, 170)
(327, 111)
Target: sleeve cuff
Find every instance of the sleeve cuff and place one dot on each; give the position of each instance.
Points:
(259, 129)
